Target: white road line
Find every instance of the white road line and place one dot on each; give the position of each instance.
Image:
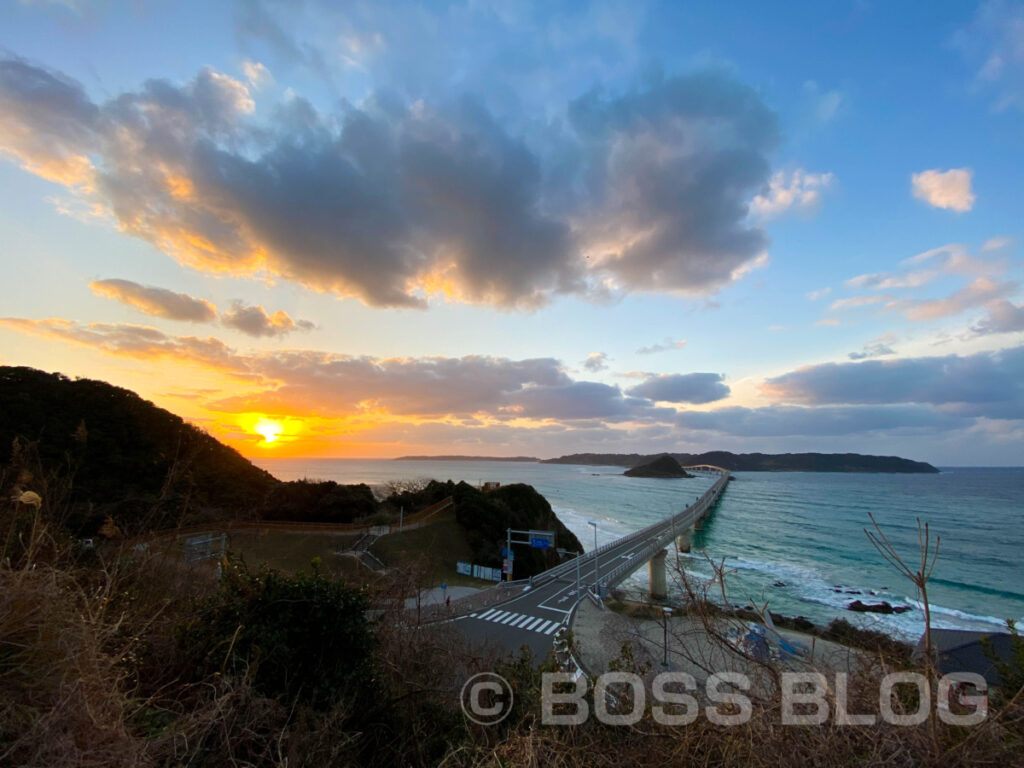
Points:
(498, 616)
(522, 622)
(511, 617)
(532, 624)
(552, 629)
(543, 626)
(491, 612)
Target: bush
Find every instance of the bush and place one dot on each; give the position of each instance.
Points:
(302, 637)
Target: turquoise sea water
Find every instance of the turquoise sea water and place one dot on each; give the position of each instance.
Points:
(803, 530)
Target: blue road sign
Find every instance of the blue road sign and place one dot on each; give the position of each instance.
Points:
(539, 542)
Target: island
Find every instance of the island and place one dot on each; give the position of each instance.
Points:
(662, 467)
(760, 462)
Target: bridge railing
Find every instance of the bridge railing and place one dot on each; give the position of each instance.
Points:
(700, 505)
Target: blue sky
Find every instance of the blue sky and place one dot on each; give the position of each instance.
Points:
(498, 228)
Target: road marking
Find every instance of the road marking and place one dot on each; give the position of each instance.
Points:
(543, 626)
(533, 624)
(498, 616)
(520, 621)
(510, 618)
(488, 613)
(553, 628)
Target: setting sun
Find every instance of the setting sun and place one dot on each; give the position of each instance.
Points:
(270, 430)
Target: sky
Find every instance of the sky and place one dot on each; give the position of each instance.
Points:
(498, 228)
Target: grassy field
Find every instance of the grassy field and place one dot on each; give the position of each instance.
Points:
(294, 551)
(438, 546)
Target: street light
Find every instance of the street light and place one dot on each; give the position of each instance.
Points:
(596, 588)
(666, 613)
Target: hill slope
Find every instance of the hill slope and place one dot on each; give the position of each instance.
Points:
(663, 466)
(121, 454)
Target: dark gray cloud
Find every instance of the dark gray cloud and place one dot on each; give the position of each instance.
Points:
(985, 383)
(880, 347)
(256, 321)
(158, 302)
(395, 199)
(783, 421)
(682, 388)
(671, 169)
(596, 361)
(1002, 317)
(581, 400)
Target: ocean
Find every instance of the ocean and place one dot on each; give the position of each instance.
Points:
(792, 539)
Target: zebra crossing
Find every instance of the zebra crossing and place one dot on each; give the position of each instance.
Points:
(518, 620)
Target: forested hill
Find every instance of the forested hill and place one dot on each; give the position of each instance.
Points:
(105, 450)
(760, 462)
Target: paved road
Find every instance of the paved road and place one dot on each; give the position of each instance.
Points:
(533, 616)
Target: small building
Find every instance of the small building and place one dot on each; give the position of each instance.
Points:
(960, 650)
(491, 485)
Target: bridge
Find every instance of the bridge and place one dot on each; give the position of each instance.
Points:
(544, 603)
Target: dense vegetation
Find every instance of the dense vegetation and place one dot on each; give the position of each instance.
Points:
(120, 455)
(759, 462)
(663, 466)
(486, 516)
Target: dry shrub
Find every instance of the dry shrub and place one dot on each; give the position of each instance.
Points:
(60, 686)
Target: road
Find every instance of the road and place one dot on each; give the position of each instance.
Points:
(534, 614)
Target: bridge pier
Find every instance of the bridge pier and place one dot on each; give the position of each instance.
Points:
(683, 541)
(656, 569)
(698, 524)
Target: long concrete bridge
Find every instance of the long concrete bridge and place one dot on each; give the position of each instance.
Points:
(542, 604)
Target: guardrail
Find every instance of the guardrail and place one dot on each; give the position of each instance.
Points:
(698, 507)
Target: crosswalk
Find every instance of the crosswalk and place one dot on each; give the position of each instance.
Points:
(518, 620)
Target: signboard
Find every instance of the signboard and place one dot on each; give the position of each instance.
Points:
(539, 542)
(488, 574)
(466, 569)
(506, 566)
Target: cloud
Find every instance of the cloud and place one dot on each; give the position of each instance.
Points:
(693, 388)
(879, 347)
(782, 421)
(799, 190)
(158, 302)
(976, 293)
(820, 293)
(944, 189)
(596, 361)
(992, 43)
(135, 341)
(255, 321)
(667, 345)
(996, 243)
(1003, 317)
(855, 301)
(983, 384)
(393, 201)
(314, 383)
(257, 74)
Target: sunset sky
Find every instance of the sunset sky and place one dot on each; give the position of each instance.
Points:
(494, 228)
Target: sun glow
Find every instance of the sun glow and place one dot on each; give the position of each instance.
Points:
(270, 429)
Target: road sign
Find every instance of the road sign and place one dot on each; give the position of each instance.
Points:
(539, 542)
(506, 566)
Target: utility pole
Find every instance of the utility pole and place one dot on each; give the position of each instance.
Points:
(666, 613)
(578, 556)
(597, 589)
(508, 554)
(401, 517)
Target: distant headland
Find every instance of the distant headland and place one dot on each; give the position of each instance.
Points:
(737, 462)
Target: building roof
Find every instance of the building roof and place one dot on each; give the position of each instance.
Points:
(961, 650)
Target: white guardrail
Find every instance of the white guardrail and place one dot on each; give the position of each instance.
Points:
(693, 511)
